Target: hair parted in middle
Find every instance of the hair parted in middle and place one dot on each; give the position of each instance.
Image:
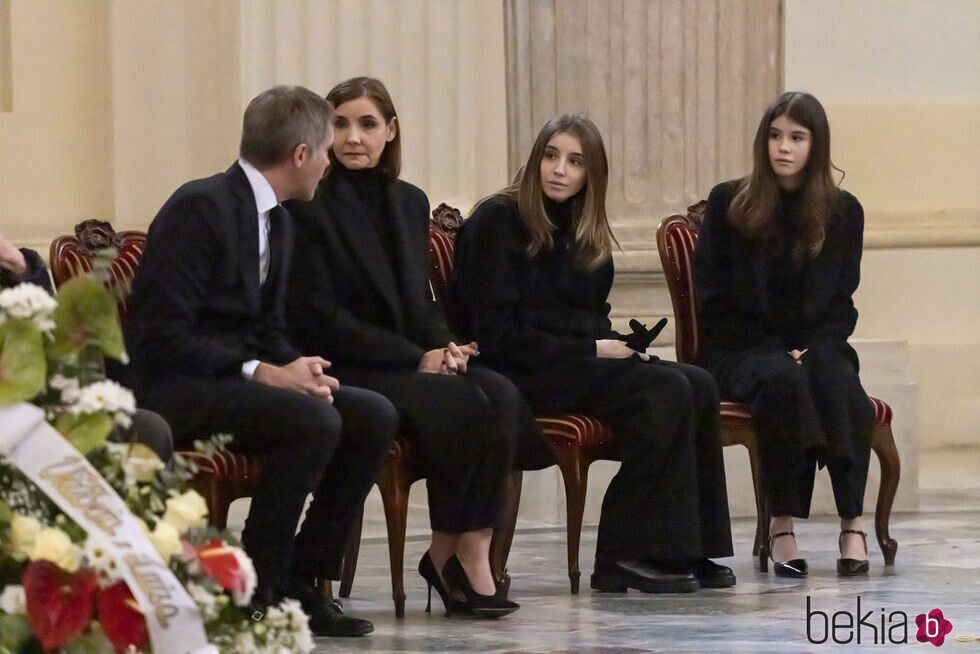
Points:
(281, 118)
(757, 199)
(375, 91)
(593, 236)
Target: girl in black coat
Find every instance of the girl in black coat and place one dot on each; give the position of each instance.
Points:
(360, 298)
(533, 272)
(777, 263)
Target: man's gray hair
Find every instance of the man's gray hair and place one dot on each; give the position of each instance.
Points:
(279, 119)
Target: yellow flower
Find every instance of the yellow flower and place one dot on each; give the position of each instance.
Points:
(166, 539)
(54, 545)
(186, 511)
(23, 532)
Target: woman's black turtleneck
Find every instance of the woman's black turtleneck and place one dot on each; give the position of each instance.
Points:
(371, 187)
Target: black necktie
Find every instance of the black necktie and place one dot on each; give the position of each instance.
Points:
(276, 216)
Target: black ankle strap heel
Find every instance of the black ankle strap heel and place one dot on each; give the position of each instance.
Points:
(853, 567)
(796, 568)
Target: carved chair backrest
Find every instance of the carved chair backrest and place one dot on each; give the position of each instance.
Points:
(72, 255)
(677, 236)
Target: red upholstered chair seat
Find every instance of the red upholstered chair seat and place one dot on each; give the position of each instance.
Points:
(677, 238)
(576, 429)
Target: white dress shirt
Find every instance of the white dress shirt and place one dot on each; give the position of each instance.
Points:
(265, 200)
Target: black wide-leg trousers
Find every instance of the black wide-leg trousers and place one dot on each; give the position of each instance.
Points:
(802, 415)
(668, 502)
(464, 429)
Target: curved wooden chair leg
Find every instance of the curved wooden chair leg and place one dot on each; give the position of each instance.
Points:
(575, 473)
(883, 443)
(394, 485)
(504, 537)
(351, 553)
(761, 517)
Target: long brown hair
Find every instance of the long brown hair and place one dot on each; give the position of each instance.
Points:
(359, 87)
(593, 237)
(757, 199)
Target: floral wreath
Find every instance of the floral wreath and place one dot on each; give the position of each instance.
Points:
(61, 587)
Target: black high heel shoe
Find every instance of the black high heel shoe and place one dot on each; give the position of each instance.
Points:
(853, 567)
(796, 568)
(428, 571)
(483, 606)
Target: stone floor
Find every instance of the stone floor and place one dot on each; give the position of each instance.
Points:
(937, 567)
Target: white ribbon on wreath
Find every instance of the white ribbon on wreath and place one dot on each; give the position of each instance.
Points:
(76, 487)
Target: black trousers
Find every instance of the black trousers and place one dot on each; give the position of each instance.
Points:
(805, 414)
(307, 444)
(668, 502)
(464, 429)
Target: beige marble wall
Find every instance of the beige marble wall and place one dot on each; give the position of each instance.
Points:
(677, 88)
(442, 62)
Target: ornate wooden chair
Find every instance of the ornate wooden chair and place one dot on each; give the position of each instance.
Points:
(578, 440)
(222, 477)
(677, 237)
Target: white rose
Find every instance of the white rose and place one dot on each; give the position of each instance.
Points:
(13, 601)
(186, 511)
(23, 532)
(166, 539)
(54, 545)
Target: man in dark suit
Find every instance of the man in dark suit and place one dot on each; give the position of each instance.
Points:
(206, 334)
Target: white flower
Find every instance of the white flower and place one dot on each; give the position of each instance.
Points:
(23, 532)
(288, 628)
(28, 302)
(54, 545)
(13, 601)
(106, 396)
(205, 600)
(186, 511)
(68, 387)
(97, 557)
(244, 596)
(245, 642)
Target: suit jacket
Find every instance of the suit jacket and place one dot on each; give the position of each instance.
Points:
(732, 277)
(197, 307)
(349, 300)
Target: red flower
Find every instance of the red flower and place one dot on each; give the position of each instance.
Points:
(59, 604)
(120, 617)
(230, 568)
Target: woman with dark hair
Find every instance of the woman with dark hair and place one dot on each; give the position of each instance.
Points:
(533, 272)
(776, 266)
(360, 298)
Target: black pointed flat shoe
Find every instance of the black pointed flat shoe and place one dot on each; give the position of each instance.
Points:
(795, 568)
(853, 567)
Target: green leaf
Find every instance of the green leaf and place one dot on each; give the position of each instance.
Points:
(22, 365)
(93, 642)
(87, 315)
(86, 431)
(14, 632)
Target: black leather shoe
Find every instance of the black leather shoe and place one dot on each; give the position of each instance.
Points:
(711, 575)
(326, 615)
(853, 567)
(618, 576)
